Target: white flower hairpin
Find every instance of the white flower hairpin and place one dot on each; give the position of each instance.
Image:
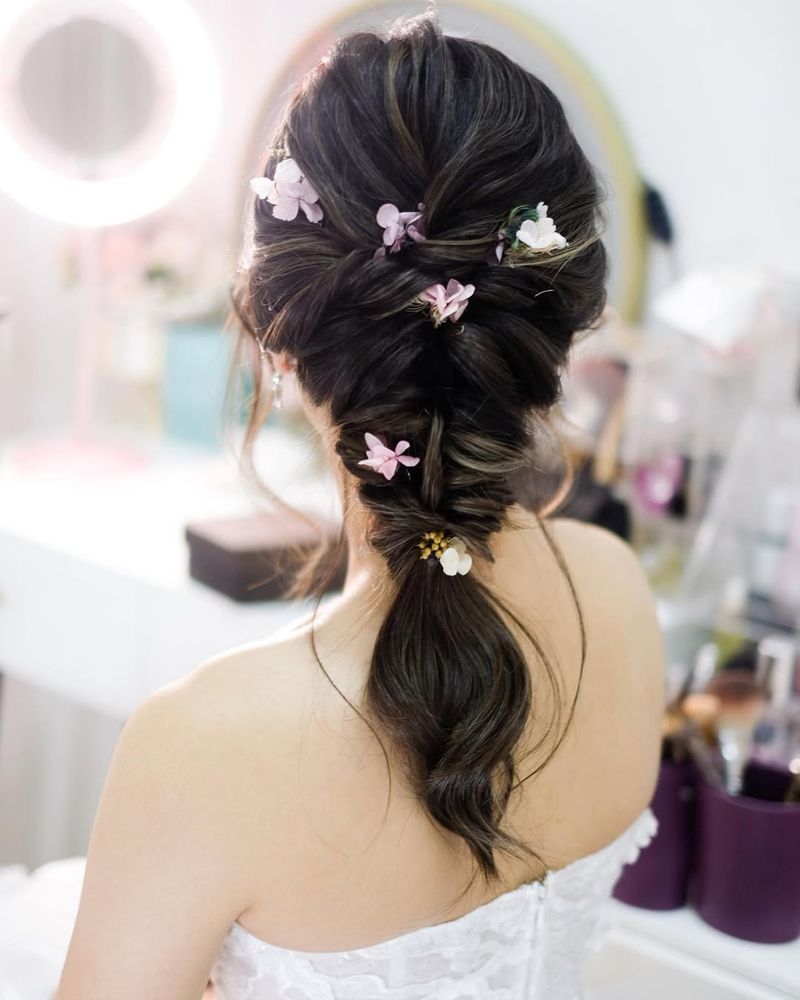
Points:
(533, 232)
(451, 553)
(288, 191)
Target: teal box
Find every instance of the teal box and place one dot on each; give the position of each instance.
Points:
(197, 358)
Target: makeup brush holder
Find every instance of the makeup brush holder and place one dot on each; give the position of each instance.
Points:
(747, 872)
(658, 879)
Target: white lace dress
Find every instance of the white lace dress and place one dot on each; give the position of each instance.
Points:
(530, 943)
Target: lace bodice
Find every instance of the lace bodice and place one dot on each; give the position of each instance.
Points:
(528, 943)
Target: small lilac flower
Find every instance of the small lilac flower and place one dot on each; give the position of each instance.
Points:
(397, 227)
(447, 303)
(288, 192)
(385, 460)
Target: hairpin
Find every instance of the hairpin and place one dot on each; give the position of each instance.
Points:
(398, 228)
(451, 552)
(385, 460)
(536, 233)
(288, 192)
(447, 303)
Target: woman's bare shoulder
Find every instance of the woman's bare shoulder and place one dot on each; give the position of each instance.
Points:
(613, 585)
(609, 570)
(592, 540)
(625, 675)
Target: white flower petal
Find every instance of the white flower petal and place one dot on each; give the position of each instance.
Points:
(289, 189)
(262, 186)
(313, 211)
(307, 192)
(449, 560)
(286, 208)
(387, 214)
(528, 233)
(465, 564)
(287, 171)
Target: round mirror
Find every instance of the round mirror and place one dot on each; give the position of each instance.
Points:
(88, 89)
(533, 45)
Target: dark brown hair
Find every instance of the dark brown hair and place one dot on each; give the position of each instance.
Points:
(416, 116)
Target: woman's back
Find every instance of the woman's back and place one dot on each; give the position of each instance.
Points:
(333, 872)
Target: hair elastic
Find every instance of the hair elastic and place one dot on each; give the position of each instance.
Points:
(451, 552)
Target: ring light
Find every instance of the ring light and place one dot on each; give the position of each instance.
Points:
(171, 165)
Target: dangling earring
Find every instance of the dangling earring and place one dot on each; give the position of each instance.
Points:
(277, 389)
(277, 377)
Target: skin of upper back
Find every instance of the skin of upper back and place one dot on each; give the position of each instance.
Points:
(251, 790)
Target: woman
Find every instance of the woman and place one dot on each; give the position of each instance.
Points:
(436, 782)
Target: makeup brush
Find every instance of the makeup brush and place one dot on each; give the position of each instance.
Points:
(700, 672)
(703, 708)
(689, 729)
(674, 728)
(742, 702)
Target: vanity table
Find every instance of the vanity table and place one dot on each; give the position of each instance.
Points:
(96, 601)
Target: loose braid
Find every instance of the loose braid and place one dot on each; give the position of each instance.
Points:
(419, 117)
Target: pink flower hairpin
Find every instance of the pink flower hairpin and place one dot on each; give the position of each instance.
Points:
(385, 460)
(288, 192)
(447, 303)
(398, 227)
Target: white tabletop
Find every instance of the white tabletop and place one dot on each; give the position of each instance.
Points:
(131, 520)
(96, 600)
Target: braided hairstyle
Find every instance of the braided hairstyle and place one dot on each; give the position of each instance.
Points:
(415, 116)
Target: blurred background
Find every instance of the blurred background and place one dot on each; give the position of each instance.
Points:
(131, 546)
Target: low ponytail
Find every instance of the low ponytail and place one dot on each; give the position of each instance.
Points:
(449, 684)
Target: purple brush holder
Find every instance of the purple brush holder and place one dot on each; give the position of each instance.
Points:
(658, 879)
(747, 877)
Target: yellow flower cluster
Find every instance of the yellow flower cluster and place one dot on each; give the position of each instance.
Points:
(433, 543)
